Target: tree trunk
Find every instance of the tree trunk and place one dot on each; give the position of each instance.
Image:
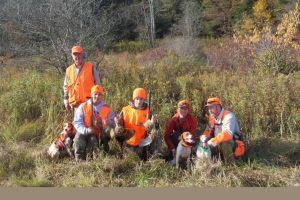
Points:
(152, 23)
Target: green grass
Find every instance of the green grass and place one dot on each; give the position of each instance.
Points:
(35, 169)
(266, 105)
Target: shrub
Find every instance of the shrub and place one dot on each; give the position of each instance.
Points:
(130, 46)
(277, 51)
(278, 60)
(183, 47)
(225, 54)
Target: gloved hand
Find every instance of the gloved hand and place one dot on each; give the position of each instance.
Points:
(212, 142)
(53, 150)
(203, 138)
(90, 131)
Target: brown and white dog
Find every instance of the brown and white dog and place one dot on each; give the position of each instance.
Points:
(63, 142)
(184, 149)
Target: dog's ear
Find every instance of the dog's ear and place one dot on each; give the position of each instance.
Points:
(183, 136)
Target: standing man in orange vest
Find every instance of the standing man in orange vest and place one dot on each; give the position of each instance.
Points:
(79, 79)
(222, 134)
(134, 117)
(91, 119)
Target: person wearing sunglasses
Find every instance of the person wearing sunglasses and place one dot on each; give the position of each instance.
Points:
(182, 121)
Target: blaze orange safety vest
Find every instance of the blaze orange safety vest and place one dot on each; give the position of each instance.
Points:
(134, 120)
(239, 149)
(79, 88)
(212, 125)
(103, 115)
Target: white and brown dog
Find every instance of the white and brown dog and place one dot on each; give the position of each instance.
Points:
(184, 149)
(203, 150)
(63, 143)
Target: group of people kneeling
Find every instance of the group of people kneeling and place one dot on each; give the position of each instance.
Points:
(137, 129)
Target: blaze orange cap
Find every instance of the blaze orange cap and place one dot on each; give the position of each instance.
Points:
(139, 92)
(77, 49)
(184, 103)
(213, 101)
(98, 89)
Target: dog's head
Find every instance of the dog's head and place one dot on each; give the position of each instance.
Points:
(186, 139)
(68, 127)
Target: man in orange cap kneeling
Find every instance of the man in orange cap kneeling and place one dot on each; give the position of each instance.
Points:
(91, 119)
(222, 135)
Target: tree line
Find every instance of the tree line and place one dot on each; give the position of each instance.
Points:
(49, 28)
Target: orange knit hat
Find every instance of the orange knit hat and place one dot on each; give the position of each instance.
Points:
(139, 92)
(98, 89)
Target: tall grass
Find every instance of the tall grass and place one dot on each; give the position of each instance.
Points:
(266, 105)
(30, 103)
